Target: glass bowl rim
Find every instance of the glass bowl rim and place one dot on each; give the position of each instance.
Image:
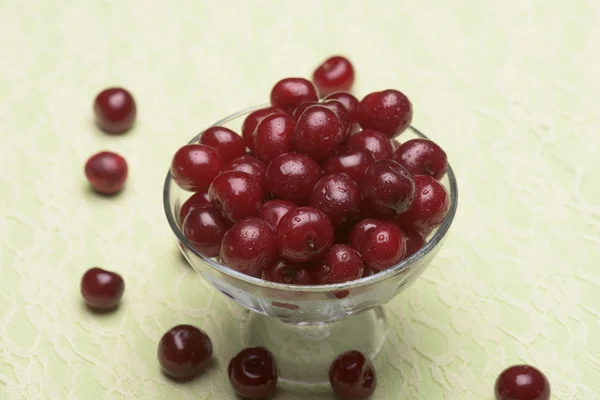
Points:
(380, 276)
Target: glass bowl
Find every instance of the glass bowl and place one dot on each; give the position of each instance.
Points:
(306, 327)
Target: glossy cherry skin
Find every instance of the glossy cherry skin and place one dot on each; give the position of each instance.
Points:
(107, 172)
(249, 246)
(253, 373)
(291, 176)
(318, 132)
(361, 232)
(376, 142)
(352, 161)
(338, 196)
(102, 289)
(388, 188)
(115, 110)
(228, 144)
(340, 264)
(251, 121)
(349, 101)
(429, 208)
(199, 198)
(385, 246)
(273, 210)
(236, 195)
(184, 351)
(389, 112)
(205, 227)
(194, 166)
(289, 93)
(422, 157)
(334, 74)
(522, 382)
(304, 234)
(273, 136)
(415, 240)
(352, 376)
(302, 107)
(342, 113)
(288, 272)
(252, 166)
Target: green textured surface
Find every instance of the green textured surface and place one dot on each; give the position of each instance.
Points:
(509, 89)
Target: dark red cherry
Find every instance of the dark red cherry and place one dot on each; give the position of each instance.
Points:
(252, 121)
(289, 93)
(288, 272)
(184, 351)
(352, 376)
(385, 246)
(342, 114)
(340, 264)
(204, 227)
(388, 111)
(376, 142)
(334, 74)
(388, 188)
(115, 110)
(273, 210)
(102, 289)
(249, 246)
(291, 176)
(361, 232)
(252, 166)
(338, 196)
(304, 234)
(318, 132)
(199, 198)
(522, 382)
(228, 143)
(422, 157)
(236, 195)
(273, 136)
(352, 161)
(194, 166)
(107, 172)
(253, 373)
(415, 240)
(349, 101)
(302, 107)
(429, 208)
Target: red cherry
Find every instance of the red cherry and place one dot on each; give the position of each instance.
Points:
(253, 167)
(184, 351)
(302, 107)
(106, 172)
(115, 110)
(249, 246)
(194, 166)
(335, 74)
(415, 240)
(388, 188)
(272, 211)
(304, 234)
(340, 264)
(291, 176)
(376, 142)
(352, 376)
(228, 144)
(337, 196)
(422, 157)
(252, 121)
(273, 136)
(318, 132)
(389, 112)
(361, 232)
(429, 208)
(284, 271)
(204, 227)
(349, 101)
(199, 198)
(522, 382)
(352, 161)
(253, 373)
(384, 248)
(289, 93)
(102, 289)
(236, 195)
(342, 113)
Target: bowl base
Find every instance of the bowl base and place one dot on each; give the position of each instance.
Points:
(304, 351)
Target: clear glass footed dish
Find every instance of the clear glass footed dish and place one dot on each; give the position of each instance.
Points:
(306, 327)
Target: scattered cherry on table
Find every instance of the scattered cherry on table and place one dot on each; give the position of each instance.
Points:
(101, 289)
(107, 172)
(334, 74)
(352, 376)
(253, 373)
(184, 351)
(115, 110)
(522, 382)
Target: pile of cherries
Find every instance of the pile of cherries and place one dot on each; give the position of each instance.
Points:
(313, 191)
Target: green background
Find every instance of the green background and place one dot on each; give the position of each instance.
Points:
(510, 90)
